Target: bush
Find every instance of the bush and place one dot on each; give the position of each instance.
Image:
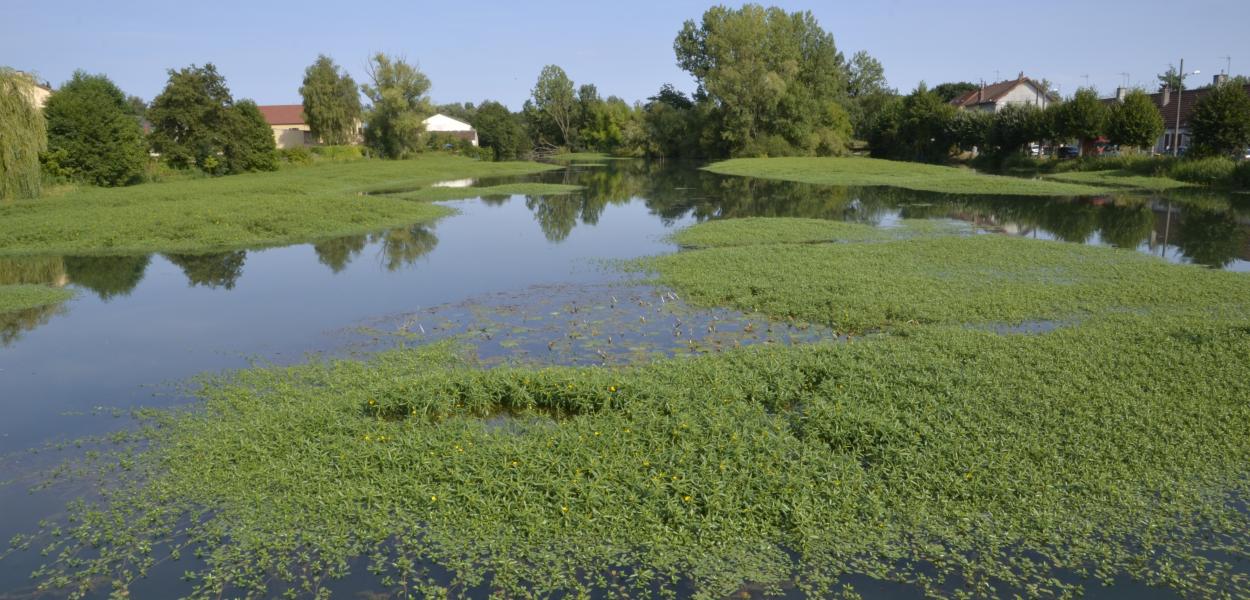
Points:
(338, 153)
(1241, 175)
(1208, 171)
(299, 155)
(91, 135)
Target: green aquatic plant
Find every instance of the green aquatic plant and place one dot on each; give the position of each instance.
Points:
(934, 279)
(942, 457)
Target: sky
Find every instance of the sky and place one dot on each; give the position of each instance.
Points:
(490, 49)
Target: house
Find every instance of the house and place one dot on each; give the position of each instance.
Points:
(1169, 104)
(288, 125)
(445, 125)
(996, 96)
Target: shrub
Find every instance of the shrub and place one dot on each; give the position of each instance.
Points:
(92, 136)
(299, 155)
(338, 153)
(1211, 170)
(1241, 175)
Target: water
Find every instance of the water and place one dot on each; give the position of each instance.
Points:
(526, 279)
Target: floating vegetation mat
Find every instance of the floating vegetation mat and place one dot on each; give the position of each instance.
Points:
(595, 324)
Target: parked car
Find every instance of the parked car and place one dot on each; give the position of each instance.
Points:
(1069, 152)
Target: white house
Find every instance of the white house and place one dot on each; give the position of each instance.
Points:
(446, 125)
(996, 96)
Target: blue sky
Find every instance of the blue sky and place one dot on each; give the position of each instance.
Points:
(493, 49)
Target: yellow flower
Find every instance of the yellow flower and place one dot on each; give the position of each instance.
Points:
(685, 498)
(612, 388)
(646, 463)
(564, 509)
(366, 437)
(433, 498)
(596, 433)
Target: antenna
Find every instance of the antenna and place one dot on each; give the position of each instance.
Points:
(1228, 65)
(995, 75)
(1125, 76)
(1086, 78)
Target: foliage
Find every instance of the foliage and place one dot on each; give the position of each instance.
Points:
(92, 133)
(555, 101)
(395, 120)
(1171, 78)
(250, 145)
(969, 129)
(913, 176)
(337, 153)
(866, 89)
(1208, 170)
(950, 91)
(917, 128)
(1135, 122)
(1014, 127)
(191, 120)
(1221, 122)
(208, 214)
(1084, 117)
(774, 78)
(500, 130)
(297, 155)
(331, 102)
(25, 136)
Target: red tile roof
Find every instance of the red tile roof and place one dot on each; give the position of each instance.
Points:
(992, 92)
(283, 114)
(1188, 101)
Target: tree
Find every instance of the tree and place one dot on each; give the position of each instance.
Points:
(950, 91)
(970, 129)
(1135, 122)
(925, 126)
(92, 133)
(1084, 117)
(1171, 78)
(776, 79)
(137, 108)
(500, 130)
(23, 136)
(865, 76)
(554, 98)
(331, 102)
(190, 118)
(394, 121)
(250, 145)
(1013, 127)
(1221, 122)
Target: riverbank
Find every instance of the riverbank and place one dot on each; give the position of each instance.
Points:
(859, 171)
(26, 296)
(252, 210)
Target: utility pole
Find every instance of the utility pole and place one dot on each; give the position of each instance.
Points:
(1086, 78)
(1176, 133)
(1228, 65)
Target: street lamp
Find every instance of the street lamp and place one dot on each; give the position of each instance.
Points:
(1176, 133)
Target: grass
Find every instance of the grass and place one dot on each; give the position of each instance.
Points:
(254, 210)
(858, 171)
(1119, 179)
(583, 157)
(755, 266)
(27, 296)
(942, 456)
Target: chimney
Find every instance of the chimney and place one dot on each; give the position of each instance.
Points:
(1220, 79)
(1120, 93)
(1167, 95)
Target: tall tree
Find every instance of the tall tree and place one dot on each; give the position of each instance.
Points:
(952, 90)
(190, 118)
(23, 136)
(865, 75)
(1135, 122)
(1013, 127)
(1171, 78)
(394, 121)
(93, 134)
(777, 78)
(1221, 122)
(331, 102)
(1084, 117)
(554, 98)
(250, 145)
(500, 130)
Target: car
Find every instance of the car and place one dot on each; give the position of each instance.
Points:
(1069, 152)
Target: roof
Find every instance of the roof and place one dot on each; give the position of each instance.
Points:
(991, 93)
(283, 114)
(1188, 101)
(441, 122)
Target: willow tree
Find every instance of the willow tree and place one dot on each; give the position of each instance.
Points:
(399, 105)
(23, 135)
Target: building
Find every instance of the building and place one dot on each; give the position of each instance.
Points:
(288, 125)
(996, 96)
(445, 125)
(1170, 103)
(38, 92)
